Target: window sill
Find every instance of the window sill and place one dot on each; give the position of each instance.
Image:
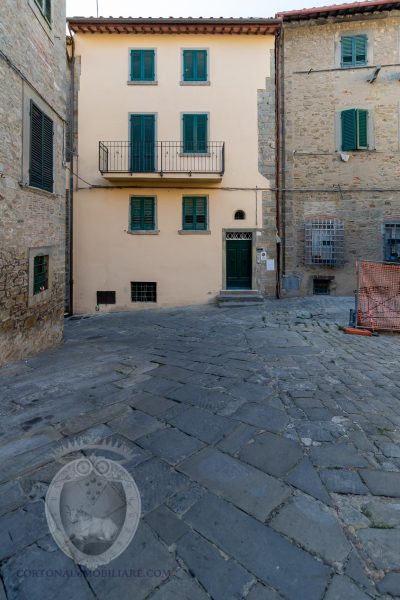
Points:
(194, 232)
(194, 83)
(36, 190)
(144, 232)
(188, 154)
(354, 66)
(142, 82)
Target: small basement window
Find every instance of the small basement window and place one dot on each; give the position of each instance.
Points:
(240, 215)
(106, 297)
(321, 286)
(392, 242)
(144, 291)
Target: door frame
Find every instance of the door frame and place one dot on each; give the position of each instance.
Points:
(253, 253)
(155, 115)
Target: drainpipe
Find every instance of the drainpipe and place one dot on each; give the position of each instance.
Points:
(280, 158)
(71, 169)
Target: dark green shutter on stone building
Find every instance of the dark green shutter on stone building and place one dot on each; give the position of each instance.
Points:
(354, 129)
(194, 213)
(41, 150)
(354, 50)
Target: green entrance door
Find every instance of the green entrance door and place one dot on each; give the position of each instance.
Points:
(238, 264)
(142, 159)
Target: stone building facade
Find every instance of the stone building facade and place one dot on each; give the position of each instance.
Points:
(179, 207)
(340, 144)
(32, 175)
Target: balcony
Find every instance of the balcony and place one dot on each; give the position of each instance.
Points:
(163, 161)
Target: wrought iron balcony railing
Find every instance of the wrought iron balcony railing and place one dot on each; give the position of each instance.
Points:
(162, 157)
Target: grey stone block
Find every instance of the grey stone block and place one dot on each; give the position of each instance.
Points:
(11, 496)
(183, 500)
(198, 396)
(89, 419)
(343, 482)
(382, 483)
(145, 554)
(382, 546)
(157, 482)
(204, 425)
(337, 455)
(386, 514)
(151, 404)
(356, 571)
(250, 489)
(342, 588)
(390, 584)
(223, 579)
(260, 592)
(21, 528)
(234, 441)
(251, 392)
(134, 424)
(171, 444)
(314, 527)
(21, 584)
(180, 588)
(166, 524)
(273, 454)
(271, 419)
(305, 478)
(262, 551)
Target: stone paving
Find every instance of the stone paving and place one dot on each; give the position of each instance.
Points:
(265, 444)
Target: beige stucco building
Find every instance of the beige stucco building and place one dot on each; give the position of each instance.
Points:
(175, 144)
(33, 96)
(339, 107)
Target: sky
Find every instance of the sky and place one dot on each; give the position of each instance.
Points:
(183, 8)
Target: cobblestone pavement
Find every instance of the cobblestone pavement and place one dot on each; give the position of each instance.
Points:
(266, 448)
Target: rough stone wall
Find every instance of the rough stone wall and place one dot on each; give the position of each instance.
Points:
(32, 66)
(316, 90)
(266, 280)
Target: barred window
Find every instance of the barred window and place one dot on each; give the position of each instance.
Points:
(324, 242)
(144, 291)
(40, 273)
(392, 242)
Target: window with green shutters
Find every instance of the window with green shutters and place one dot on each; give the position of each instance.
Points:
(142, 213)
(194, 213)
(354, 50)
(354, 129)
(195, 65)
(45, 9)
(41, 150)
(195, 133)
(40, 273)
(142, 65)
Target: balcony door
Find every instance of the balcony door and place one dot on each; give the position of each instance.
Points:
(143, 143)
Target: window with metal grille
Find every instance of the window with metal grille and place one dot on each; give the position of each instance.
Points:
(144, 291)
(194, 210)
(354, 123)
(142, 65)
(240, 215)
(45, 9)
(142, 214)
(392, 242)
(195, 65)
(321, 286)
(324, 242)
(40, 273)
(353, 50)
(41, 150)
(106, 297)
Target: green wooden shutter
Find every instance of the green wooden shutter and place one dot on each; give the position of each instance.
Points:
(136, 214)
(135, 65)
(360, 49)
(47, 10)
(201, 133)
(201, 65)
(189, 133)
(347, 50)
(188, 213)
(148, 213)
(41, 150)
(362, 128)
(349, 129)
(148, 65)
(201, 213)
(188, 65)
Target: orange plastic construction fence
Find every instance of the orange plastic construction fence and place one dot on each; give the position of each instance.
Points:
(378, 295)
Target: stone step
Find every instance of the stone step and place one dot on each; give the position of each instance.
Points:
(247, 293)
(239, 297)
(236, 304)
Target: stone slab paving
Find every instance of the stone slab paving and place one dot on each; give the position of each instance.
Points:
(264, 442)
